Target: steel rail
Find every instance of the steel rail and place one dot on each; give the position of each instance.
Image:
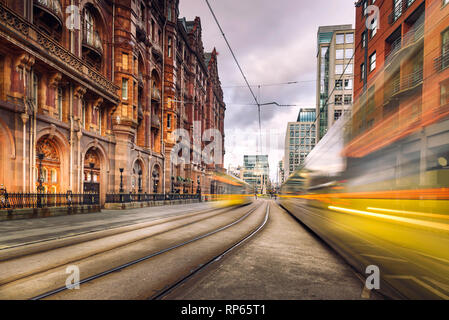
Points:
(200, 268)
(126, 265)
(176, 216)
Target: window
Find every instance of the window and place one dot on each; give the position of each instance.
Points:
(374, 27)
(348, 84)
(170, 40)
(338, 69)
(337, 114)
(168, 121)
(348, 69)
(349, 38)
(362, 71)
(339, 84)
(54, 176)
(397, 8)
(340, 38)
(125, 61)
(444, 93)
(338, 99)
(372, 62)
(44, 175)
(363, 39)
(59, 103)
(348, 99)
(349, 53)
(89, 25)
(125, 89)
(339, 54)
(445, 49)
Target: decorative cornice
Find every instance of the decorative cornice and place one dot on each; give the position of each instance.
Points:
(35, 39)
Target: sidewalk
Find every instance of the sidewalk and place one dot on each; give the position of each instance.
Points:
(17, 232)
(283, 262)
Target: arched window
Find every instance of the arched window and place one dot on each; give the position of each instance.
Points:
(89, 26)
(44, 175)
(54, 176)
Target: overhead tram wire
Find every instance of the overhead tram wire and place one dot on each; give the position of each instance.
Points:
(237, 62)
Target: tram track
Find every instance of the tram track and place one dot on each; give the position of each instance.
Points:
(155, 254)
(48, 272)
(20, 267)
(164, 293)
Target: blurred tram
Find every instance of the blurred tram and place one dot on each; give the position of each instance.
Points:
(228, 190)
(388, 207)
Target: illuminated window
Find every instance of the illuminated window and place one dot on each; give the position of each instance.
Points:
(125, 89)
(125, 61)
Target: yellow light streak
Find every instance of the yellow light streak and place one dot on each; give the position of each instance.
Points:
(433, 225)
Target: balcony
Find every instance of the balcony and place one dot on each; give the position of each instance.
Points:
(46, 47)
(92, 42)
(50, 11)
(155, 121)
(415, 34)
(141, 32)
(401, 85)
(442, 62)
(155, 95)
(399, 9)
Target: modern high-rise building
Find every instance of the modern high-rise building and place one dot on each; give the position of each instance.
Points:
(256, 172)
(335, 74)
(281, 173)
(300, 139)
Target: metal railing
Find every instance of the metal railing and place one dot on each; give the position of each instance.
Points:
(52, 5)
(11, 201)
(137, 197)
(442, 62)
(404, 83)
(399, 10)
(92, 39)
(414, 35)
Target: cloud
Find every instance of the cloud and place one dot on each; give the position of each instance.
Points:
(275, 42)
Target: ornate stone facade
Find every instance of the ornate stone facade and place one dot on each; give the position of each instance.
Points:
(96, 86)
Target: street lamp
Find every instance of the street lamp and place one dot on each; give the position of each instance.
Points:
(40, 188)
(40, 180)
(121, 180)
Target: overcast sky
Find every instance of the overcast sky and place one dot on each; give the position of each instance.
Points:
(275, 42)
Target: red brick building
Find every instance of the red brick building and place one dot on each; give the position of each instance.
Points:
(401, 82)
(97, 86)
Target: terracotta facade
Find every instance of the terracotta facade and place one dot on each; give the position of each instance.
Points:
(96, 86)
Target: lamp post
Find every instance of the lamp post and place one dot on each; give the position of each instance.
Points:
(121, 180)
(140, 181)
(40, 188)
(172, 184)
(192, 187)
